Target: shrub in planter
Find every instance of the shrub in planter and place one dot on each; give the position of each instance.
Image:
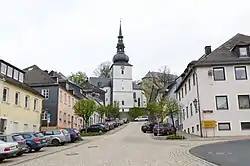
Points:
(175, 137)
(91, 134)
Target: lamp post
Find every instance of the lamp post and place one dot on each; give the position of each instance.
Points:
(197, 108)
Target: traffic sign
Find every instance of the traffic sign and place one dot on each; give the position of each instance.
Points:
(209, 123)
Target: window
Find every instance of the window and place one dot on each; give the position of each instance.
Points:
(243, 51)
(182, 94)
(65, 98)
(183, 114)
(9, 71)
(179, 95)
(193, 129)
(122, 102)
(61, 96)
(185, 86)
(44, 115)
(20, 77)
(219, 74)
(221, 102)
(122, 71)
(3, 68)
(73, 102)
(123, 110)
(189, 84)
(134, 95)
(122, 88)
(17, 98)
(194, 79)
(27, 102)
(15, 76)
(245, 125)
(240, 73)
(35, 104)
(45, 93)
(197, 127)
(139, 102)
(243, 101)
(224, 126)
(69, 101)
(191, 109)
(5, 94)
(188, 131)
(187, 112)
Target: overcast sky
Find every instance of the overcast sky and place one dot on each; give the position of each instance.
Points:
(78, 35)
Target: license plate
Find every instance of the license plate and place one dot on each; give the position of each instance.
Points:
(43, 140)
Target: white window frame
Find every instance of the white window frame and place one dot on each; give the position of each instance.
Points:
(21, 77)
(3, 68)
(230, 128)
(61, 96)
(44, 115)
(18, 98)
(65, 98)
(35, 104)
(69, 101)
(243, 51)
(10, 71)
(27, 101)
(15, 74)
(7, 95)
(45, 93)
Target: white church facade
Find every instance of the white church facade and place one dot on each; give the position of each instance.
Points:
(120, 87)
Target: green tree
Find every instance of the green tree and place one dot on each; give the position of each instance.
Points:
(84, 109)
(103, 70)
(113, 110)
(79, 77)
(136, 111)
(156, 110)
(172, 108)
(102, 110)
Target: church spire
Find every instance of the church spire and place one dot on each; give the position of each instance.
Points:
(120, 45)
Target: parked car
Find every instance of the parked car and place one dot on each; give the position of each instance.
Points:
(74, 134)
(57, 137)
(141, 118)
(96, 128)
(148, 127)
(34, 140)
(8, 149)
(106, 125)
(22, 147)
(163, 129)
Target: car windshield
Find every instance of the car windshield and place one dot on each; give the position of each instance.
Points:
(17, 137)
(40, 135)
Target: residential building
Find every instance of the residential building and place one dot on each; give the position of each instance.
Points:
(120, 86)
(59, 98)
(214, 91)
(21, 106)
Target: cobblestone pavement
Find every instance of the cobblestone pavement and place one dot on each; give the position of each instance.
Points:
(128, 147)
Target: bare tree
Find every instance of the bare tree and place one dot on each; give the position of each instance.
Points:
(103, 70)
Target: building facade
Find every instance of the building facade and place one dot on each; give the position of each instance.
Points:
(59, 98)
(214, 91)
(21, 106)
(120, 86)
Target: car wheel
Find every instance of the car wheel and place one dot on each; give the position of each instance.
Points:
(100, 131)
(144, 131)
(2, 159)
(29, 148)
(19, 154)
(62, 143)
(37, 149)
(55, 142)
(155, 134)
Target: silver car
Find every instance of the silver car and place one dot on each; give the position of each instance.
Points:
(57, 137)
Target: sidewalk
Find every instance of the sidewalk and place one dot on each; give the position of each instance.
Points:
(191, 137)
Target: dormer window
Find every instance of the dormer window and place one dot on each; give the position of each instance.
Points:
(243, 51)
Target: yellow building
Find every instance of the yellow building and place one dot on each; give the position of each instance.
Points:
(20, 106)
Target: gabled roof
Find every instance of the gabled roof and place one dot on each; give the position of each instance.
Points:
(222, 55)
(153, 74)
(100, 82)
(36, 76)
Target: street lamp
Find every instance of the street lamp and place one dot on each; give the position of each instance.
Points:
(197, 109)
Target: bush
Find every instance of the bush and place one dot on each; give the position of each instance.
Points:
(175, 137)
(91, 134)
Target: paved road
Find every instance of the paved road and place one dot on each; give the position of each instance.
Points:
(127, 147)
(233, 153)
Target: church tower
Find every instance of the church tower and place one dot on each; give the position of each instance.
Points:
(122, 89)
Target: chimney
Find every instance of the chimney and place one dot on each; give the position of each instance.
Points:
(208, 50)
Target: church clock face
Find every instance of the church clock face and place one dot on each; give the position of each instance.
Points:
(122, 67)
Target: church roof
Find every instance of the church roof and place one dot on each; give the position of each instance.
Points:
(100, 82)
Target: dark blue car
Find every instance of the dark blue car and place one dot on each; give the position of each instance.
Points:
(34, 140)
(74, 134)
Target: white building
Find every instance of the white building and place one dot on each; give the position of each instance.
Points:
(219, 81)
(120, 86)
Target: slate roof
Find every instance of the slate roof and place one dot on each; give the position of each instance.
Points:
(222, 55)
(100, 82)
(35, 76)
(153, 74)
